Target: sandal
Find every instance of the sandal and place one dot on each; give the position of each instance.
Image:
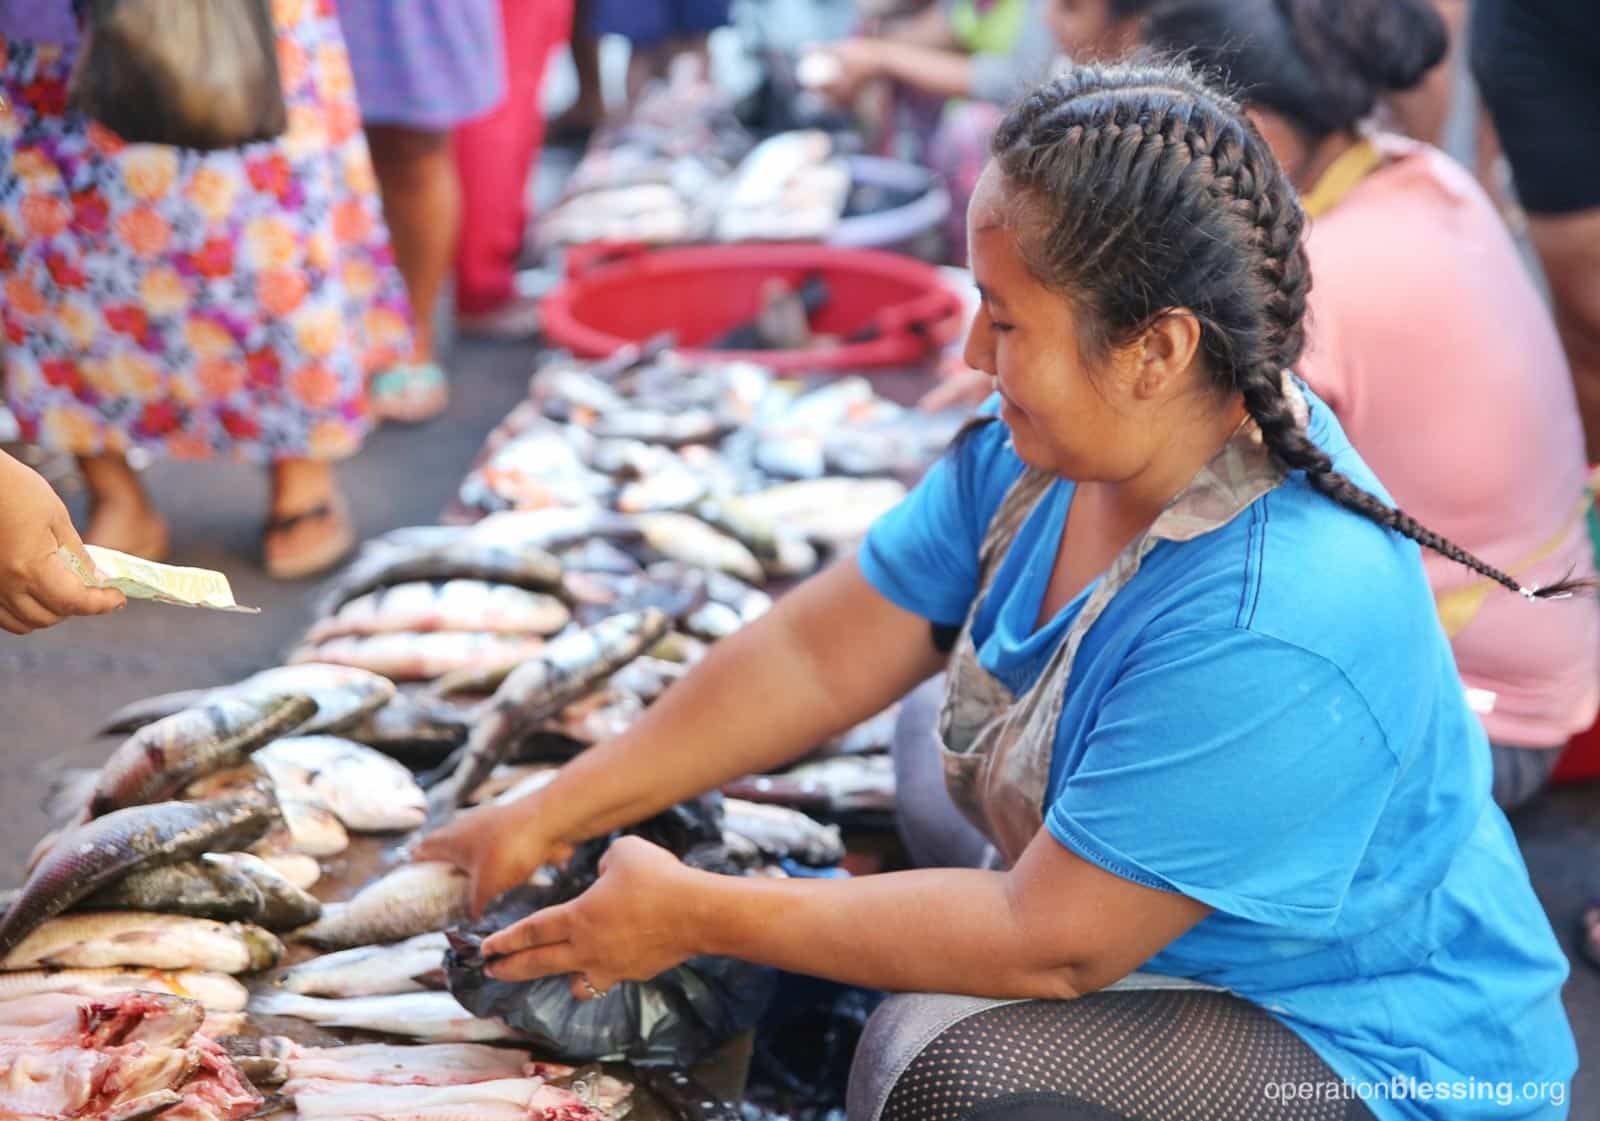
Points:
(1589, 934)
(410, 394)
(333, 547)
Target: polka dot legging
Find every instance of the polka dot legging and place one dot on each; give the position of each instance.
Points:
(1119, 1056)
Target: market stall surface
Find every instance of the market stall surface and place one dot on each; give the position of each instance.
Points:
(54, 687)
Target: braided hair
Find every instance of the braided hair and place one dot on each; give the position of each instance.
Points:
(1143, 190)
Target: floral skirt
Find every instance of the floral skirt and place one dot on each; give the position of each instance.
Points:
(195, 304)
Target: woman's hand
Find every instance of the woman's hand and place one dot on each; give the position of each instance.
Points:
(499, 847)
(37, 589)
(634, 924)
(855, 63)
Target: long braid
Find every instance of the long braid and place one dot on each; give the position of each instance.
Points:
(1161, 194)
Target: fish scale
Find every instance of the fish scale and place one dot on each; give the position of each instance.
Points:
(96, 853)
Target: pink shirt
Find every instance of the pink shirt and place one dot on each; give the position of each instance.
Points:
(1430, 342)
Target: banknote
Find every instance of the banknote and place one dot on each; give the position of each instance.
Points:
(164, 583)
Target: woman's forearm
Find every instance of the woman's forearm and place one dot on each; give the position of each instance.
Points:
(939, 73)
(828, 656)
(937, 931)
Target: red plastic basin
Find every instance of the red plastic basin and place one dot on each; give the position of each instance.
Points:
(898, 310)
(1581, 761)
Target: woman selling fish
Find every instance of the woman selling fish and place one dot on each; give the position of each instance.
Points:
(1198, 702)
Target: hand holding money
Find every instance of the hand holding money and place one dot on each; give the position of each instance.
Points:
(37, 589)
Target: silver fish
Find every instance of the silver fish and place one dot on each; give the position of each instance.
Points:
(692, 426)
(367, 790)
(524, 566)
(412, 966)
(217, 991)
(512, 1099)
(833, 512)
(432, 1016)
(457, 605)
(420, 657)
(411, 725)
(713, 622)
(570, 666)
(312, 827)
(299, 869)
(781, 832)
(153, 941)
(93, 855)
(343, 695)
(782, 552)
(413, 899)
(161, 759)
(681, 537)
(598, 555)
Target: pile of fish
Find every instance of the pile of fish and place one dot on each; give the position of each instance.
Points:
(679, 167)
(140, 1055)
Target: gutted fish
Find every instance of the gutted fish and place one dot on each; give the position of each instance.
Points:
(216, 991)
(519, 1099)
(383, 1064)
(161, 759)
(153, 941)
(421, 657)
(96, 853)
(458, 605)
(432, 1016)
(569, 667)
(413, 899)
(415, 965)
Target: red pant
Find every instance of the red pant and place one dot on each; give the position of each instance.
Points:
(495, 153)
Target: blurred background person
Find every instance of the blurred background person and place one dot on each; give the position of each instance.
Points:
(494, 155)
(195, 305)
(953, 66)
(1430, 341)
(422, 68)
(1537, 63)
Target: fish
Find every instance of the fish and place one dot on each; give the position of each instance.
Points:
(383, 1064)
(678, 648)
(598, 555)
(247, 780)
(411, 966)
(296, 867)
(283, 906)
(153, 941)
(162, 758)
(782, 553)
(600, 716)
(477, 681)
(750, 603)
(570, 666)
(413, 726)
(512, 1099)
(510, 781)
(203, 888)
(435, 1017)
(713, 621)
(682, 537)
(843, 784)
(834, 512)
(70, 1020)
(552, 529)
(456, 605)
(216, 991)
(647, 678)
(344, 695)
(310, 827)
(420, 657)
(368, 791)
(780, 832)
(691, 426)
(94, 854)
(411, 900)
(470, 558)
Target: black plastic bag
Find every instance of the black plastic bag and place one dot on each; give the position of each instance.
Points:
(676, 1019)
(189, 73)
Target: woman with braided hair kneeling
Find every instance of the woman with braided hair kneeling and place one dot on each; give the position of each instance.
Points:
(1247, 865)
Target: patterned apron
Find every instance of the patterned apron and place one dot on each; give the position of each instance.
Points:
(995, 745)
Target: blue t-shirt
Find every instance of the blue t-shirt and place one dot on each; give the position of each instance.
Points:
(1268, 719)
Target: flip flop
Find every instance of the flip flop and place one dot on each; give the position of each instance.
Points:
(410, 394)
(319, 557)
(1589, 934)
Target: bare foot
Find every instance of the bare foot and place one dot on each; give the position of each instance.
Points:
(128, 527)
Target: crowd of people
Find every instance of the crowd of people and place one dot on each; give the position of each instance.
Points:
(1261, 582)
